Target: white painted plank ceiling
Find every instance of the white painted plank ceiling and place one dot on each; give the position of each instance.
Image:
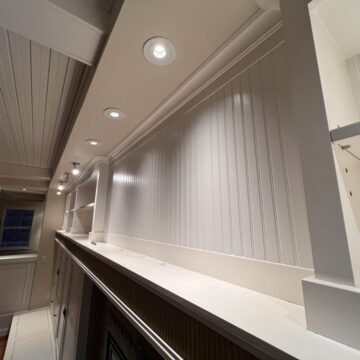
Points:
(37, 90)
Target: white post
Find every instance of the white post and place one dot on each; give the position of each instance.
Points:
(100, 202)
(332, 303)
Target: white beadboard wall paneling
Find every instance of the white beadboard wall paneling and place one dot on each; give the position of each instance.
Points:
(223, 174)
(37, 91)
(273, 279)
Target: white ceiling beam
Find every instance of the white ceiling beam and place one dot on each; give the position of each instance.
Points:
(269, 4)
(19, 184)
(24, 172)
(73, 28)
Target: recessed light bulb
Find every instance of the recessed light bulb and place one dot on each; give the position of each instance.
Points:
(159, 51)
(58, 193)
(75, 171)
(114, 114)
(24, 189)
(60, 187)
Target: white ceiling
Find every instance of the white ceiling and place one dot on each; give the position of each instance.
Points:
(342, 20)
(124, 79)
(37, 90)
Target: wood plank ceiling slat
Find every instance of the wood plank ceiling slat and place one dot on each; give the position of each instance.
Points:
(20, 56)
(58, 68)
(38, 87)
(40, 61)
(7, 86)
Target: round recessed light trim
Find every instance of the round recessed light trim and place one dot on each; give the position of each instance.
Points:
(93, 142)
(115, 114)
(159, 51)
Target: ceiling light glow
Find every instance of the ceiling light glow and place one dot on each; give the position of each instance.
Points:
(58, 193)
(112, 113)
(75, 171)
(159, 51)
(60, 187)
(93, 142)
(24, 189)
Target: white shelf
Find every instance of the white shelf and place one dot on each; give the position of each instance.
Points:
(348, 138)
(87, 207)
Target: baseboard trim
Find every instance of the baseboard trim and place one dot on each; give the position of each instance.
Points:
(277, 280)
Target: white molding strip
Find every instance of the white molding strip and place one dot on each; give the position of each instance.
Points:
(257, 29)
(277, 280)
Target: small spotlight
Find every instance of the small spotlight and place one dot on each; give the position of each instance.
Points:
(75, 171)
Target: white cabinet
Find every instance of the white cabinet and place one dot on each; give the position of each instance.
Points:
(70, 332)
(16, 276)
(66, 305)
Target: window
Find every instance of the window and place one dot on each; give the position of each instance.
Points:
(16, 229)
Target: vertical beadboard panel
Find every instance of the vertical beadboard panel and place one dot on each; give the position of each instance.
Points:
(224, 176)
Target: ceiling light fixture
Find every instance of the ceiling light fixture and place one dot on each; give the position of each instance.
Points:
(93, 142)
(75, 171)
(116, 114)
(159, 51)
(24, 189)
(61, 187)
(58, 193)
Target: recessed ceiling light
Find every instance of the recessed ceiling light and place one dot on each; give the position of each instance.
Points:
(112, 113)
(60, 187)
(159, 51)
(93, 142)
(58, 193)
(24, 189)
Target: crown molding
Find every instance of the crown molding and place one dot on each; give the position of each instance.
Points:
(269, 4)
(256, 30)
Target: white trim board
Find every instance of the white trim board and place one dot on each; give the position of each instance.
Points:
(278, 280)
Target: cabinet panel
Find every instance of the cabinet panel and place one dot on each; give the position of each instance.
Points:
(73, 314)
(63, 306)
(59, 288)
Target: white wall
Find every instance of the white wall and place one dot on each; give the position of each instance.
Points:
(223, 177)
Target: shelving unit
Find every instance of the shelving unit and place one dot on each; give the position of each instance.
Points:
(347, 152)
(86, 202)
(84, 207)
(69, 209)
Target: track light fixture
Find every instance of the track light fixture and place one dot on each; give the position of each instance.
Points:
(75, 171)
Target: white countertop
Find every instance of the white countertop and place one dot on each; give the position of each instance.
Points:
(276, 322)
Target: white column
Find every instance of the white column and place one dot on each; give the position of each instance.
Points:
(100, 201)
(332, 302)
